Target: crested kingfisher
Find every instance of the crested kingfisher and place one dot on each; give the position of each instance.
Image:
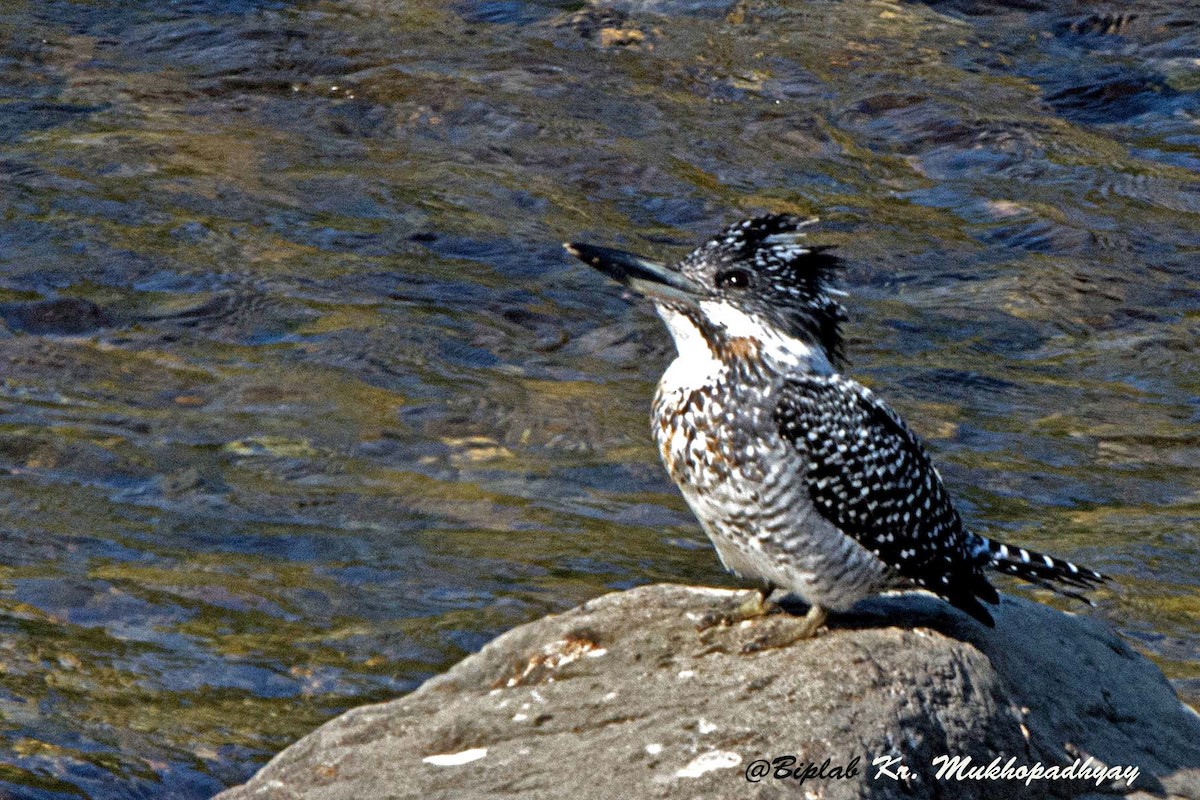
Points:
(803, 479)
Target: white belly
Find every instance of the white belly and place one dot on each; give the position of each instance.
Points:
(809, 557)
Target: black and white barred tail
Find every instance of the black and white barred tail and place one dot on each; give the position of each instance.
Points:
(1055, 574)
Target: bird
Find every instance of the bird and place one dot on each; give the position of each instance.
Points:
(802, 477)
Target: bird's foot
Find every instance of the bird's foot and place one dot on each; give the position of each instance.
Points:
(789, 631)
(757, 605)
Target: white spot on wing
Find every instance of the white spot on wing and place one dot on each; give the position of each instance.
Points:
(784, 238)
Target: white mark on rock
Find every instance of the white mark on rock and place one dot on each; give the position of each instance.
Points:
(713, 759)
(684, 674)
(654, 748)
(706, 726)
(520, 717)
(710, 591)
(610, 696)
(455, 759)
(599, 651)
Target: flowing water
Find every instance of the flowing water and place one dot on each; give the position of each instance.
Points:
(301, 401)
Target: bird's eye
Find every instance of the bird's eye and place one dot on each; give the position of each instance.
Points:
(733, 279)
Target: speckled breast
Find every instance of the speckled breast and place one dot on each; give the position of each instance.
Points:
(718, 443)
(745, 484)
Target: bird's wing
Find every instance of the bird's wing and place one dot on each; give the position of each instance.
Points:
(870, 476)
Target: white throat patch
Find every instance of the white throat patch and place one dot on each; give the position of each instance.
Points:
(695, 365)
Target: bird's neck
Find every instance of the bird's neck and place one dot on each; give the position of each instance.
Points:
(738, 336)
(735, 353)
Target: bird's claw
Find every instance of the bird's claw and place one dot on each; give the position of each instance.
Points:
(783, 634)
(757, 605)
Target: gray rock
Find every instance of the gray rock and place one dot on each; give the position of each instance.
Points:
(625, 697)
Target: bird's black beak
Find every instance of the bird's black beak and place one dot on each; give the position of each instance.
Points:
(655, 281)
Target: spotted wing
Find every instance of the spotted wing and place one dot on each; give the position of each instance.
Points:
(870, 476)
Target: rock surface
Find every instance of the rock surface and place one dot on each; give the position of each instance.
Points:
(624, 697)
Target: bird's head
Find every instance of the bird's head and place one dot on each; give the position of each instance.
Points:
(756, 282)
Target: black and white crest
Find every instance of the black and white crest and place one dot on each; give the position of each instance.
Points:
(765, 266)
(771, 243)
